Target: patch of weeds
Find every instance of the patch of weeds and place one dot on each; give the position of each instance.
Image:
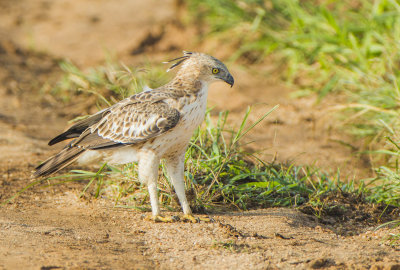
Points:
(330, 48)
(77, 175)
(344, 49)
(348, 213)
(394, 238)
(385, 187)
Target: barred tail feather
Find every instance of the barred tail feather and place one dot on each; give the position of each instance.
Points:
(58, 162)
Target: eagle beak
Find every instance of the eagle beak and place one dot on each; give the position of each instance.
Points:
(229, 80)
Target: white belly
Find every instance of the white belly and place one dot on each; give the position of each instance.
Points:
(121, 155)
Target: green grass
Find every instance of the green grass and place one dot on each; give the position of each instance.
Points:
(386, 186)
(349, 49)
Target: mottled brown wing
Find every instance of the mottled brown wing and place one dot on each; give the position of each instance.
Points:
(129, 124)
(132, 120)
(142, 99)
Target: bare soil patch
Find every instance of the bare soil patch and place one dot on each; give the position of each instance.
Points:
(52, 228)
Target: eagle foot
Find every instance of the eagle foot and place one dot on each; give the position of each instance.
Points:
(193, 219)
(160, 218)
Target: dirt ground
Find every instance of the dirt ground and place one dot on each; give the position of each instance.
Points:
(52, 228)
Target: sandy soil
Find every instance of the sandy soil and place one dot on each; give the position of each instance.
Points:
(52, 228)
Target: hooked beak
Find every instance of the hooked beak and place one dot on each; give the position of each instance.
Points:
(229, 80)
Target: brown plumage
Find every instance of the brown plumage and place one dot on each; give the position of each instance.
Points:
(146, 127)
(58, 162)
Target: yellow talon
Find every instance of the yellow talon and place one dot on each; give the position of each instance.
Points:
(206, 219)
(190, 218)
(159, 218)
(193, 219)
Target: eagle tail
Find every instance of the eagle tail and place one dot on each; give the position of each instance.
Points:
(58, 161)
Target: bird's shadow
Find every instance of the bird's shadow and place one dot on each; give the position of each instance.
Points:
(296, 219)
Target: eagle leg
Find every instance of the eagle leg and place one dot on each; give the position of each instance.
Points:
(175, 171)
(148, 174)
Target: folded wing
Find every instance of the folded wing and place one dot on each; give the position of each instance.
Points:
(129, 124)
(131, 121)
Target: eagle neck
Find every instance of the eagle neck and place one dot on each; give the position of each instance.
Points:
(191, 84)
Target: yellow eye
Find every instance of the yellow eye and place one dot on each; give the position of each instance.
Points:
(215, 70)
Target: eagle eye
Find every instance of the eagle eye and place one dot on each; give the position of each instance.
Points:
(215, 70)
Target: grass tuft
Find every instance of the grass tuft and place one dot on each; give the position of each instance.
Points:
(345, 50)
(344, 47)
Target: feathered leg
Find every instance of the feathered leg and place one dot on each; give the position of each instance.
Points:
(148, 174)
(175, 169)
